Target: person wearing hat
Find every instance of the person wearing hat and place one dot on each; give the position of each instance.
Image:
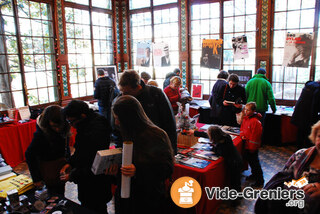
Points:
(259, 90)
(165, 60)
(145, 77)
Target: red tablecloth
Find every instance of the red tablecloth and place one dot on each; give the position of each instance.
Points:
(15, 139)
(213, 175)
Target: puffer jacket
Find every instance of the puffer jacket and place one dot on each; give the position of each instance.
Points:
(251, 130)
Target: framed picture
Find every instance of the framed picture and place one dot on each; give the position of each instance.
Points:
(196, 91)
(110, 71)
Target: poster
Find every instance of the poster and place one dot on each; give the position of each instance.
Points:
(161, 55)
(297, 50)
(143, 54)
(211, 53)
(110, 71)
(196, 91)
(244, 76)
(240, 47)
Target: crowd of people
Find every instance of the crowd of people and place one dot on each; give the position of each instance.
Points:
(137, 111)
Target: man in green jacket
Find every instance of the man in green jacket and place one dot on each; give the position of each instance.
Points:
(259, 90)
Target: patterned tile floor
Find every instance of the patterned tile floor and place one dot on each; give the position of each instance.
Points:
(272, 160)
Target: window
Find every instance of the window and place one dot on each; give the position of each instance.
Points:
(38, 73)
(317, 74)
(81, 54)
(165, 29)
(290, 16)
(205, 24)
(239, 19)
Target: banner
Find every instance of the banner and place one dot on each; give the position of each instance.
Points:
(297, 50)
(143, 54)
(211, 53)
(161, 54)
(240, 47)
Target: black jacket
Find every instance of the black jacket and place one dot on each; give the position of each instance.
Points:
(308, 106)
(93, 134)
(228, 114)
(217, 96)
(105, 91)
(45, 148)
(158, 108)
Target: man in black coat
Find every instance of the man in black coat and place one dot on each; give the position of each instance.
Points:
(93, 134)
(236, 94)
(217, 96)
(105, 90)
(154, 102)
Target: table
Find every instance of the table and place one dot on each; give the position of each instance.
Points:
(15, 139)
(212, 176)
(278, 130)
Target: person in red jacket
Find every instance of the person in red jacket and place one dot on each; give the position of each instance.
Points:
(173, 92)
(250, 132)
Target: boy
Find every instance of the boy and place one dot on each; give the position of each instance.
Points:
(250, 133)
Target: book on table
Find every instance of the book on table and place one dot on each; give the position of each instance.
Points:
(191, 161)
(210, 155)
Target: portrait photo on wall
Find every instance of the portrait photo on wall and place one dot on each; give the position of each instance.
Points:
(211, 53)
(240, 47)
(196, 91)
(297, 50)
(110, 71)
(161, 54)
(143, 54)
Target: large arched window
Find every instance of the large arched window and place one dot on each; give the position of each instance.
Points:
(239, 18)
(89, 42)
(290, 16)
(158, 23)
(27, 54)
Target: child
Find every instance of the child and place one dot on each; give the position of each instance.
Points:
(250, 132)
(223, 146)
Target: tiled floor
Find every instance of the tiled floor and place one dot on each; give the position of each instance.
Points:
(272, 159)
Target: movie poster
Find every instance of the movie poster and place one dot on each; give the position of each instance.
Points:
(143, 54)
(161, 54)
(211, 53)
(240, 47)
(297, 50)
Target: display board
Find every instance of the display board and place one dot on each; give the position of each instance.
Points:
(244, 76)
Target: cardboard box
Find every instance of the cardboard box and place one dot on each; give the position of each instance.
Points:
(187, 140)
(104, 158)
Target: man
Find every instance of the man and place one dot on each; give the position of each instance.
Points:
(154, 102)
(176, 72)
(93, 134)
(145, 77)
(234, 97)
(165, 60)
(259, 90)
(146, 60)
(217, 96)
(105, 90)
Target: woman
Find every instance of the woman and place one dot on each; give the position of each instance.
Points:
(173, 92)
(305, 162)
(49, 149)
(152, 158)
